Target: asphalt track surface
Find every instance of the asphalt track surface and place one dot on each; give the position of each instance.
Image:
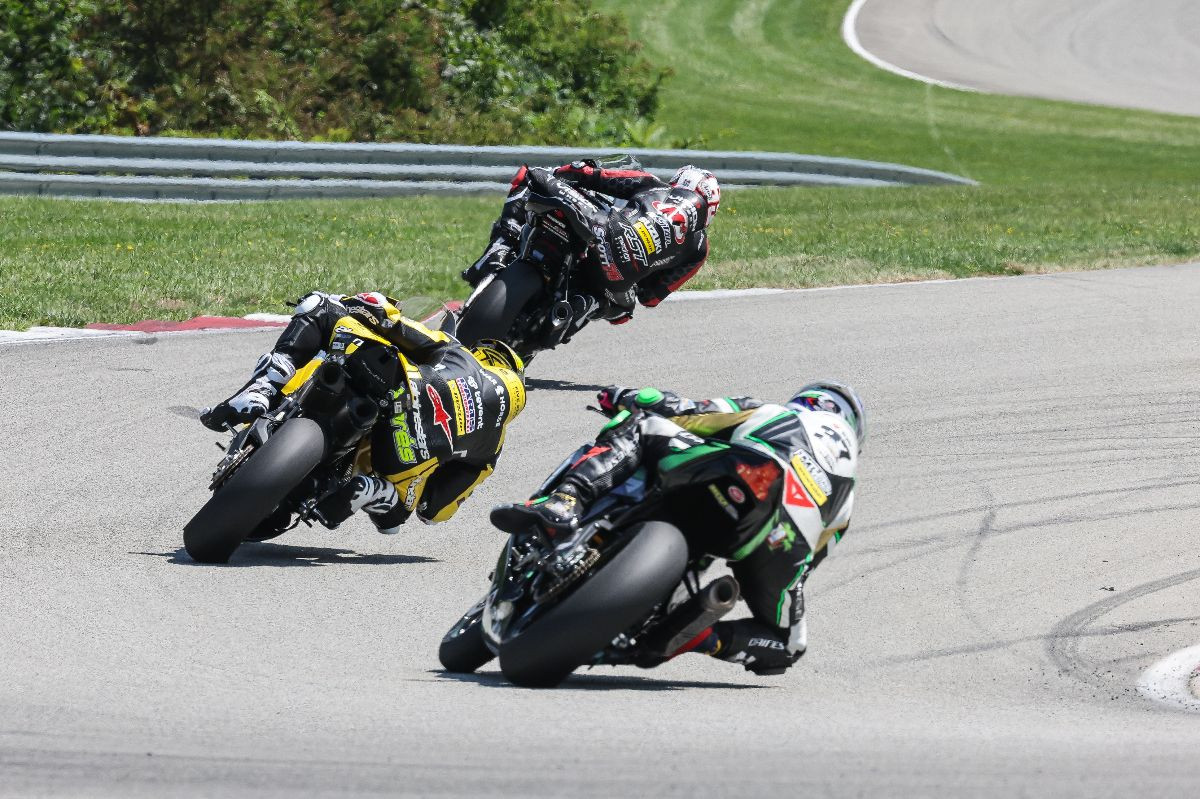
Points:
(1024, 547)
(1128, 53)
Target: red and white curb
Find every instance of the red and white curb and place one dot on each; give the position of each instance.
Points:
(154, 327)
(1174, 681)
(149, 327)
(260, 321)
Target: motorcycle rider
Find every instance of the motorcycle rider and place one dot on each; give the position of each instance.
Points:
(644, 250)
(449, 415)
(819, 432)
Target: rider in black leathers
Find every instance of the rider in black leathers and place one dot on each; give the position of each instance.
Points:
(818, 433)
(642, 251)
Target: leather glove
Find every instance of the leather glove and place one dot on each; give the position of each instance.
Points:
(609, 399)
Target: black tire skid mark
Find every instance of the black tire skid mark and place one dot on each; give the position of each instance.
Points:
(1062, 643)
(986, 528)
(944, 542)
(1189, 481)
(1004, 414)
(992, 646)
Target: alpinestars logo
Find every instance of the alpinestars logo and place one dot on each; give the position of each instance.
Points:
(440, 417)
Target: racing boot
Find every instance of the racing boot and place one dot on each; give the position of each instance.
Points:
(597, 467)
(584, 308)
(374, 495)
(257, 397)
(556, 513)
(760, 649)
(497, 256)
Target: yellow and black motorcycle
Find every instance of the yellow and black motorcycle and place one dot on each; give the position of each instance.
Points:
(279, 466)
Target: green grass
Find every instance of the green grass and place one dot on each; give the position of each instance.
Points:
(66, 262)
(1064, 186)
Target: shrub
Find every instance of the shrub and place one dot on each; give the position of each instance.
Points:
(475, 71)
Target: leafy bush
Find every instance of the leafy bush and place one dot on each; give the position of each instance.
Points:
(475, 71)
(51, 78)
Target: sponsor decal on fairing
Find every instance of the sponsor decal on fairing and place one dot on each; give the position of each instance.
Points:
(724, 503)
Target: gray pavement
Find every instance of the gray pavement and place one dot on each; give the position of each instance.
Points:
(1025, 546)
(1128, 53)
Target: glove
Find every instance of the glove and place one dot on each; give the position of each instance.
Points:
(565, 171)
(609, 399)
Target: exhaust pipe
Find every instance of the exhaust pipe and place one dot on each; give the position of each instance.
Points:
(561, 315)
(352, 420)
(693, 617)
(326, 388)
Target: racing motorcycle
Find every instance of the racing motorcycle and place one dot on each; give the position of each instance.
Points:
(625, 586)
(277, 468)
(540, 300)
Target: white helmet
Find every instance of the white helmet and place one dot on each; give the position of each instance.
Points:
(825, 395)
(703, 183)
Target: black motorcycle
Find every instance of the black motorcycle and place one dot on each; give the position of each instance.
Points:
(541, 299)
(277, 468)
(625, 587)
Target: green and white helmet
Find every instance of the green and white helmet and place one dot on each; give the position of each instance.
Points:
(831, 397)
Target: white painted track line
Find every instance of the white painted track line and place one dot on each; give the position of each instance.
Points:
(1171, 681)
(850, 36)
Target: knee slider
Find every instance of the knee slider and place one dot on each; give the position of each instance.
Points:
(312, 302)
(276, 367)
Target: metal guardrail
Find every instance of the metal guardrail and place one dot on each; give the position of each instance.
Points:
(220, 169)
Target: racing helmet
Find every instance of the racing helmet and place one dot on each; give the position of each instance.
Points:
(495, 353)
(703, 183)
(826, 395)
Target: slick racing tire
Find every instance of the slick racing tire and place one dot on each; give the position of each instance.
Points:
(463, 650)
(622, 592)
(490, 314)
(254, 491)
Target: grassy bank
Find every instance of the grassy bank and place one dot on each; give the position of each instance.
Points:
(1077, 185)
(1063, 186)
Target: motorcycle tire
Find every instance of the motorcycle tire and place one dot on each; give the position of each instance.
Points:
(491, 313)
(254, 491)
(622, 592)
(466, 651)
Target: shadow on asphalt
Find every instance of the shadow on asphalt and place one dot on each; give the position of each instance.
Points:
(536, 383)
(598, 682)
(186, 411)
(269, 554)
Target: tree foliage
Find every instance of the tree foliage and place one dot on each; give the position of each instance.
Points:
(475, 71)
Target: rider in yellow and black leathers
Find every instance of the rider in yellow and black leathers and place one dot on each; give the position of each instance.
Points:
(444, 431)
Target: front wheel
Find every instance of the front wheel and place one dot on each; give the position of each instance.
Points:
(463, 650)
(491, 313)
(254, 491)
(620, 594)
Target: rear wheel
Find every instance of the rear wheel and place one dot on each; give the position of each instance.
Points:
(254, 491)
(490, 314)
(622, 592)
